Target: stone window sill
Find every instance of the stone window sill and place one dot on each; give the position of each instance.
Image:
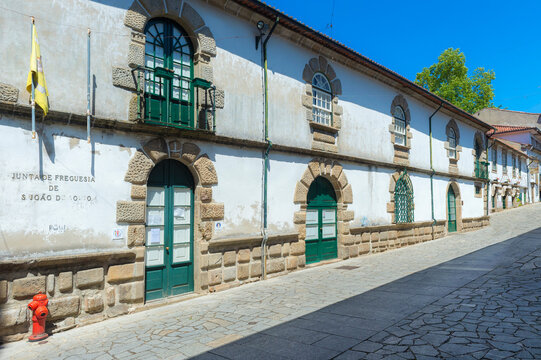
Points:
(326, 128)
(402, 147)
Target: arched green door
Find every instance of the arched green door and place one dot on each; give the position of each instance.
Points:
(321, 222)
(451, 210)
(169, 231)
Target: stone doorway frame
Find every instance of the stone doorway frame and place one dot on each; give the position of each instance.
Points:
(206, 210)
(334, 172)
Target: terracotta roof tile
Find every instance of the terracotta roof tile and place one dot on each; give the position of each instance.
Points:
(504, 129)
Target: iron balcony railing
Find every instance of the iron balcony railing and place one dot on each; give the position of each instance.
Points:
(481, 170)
(197, 112)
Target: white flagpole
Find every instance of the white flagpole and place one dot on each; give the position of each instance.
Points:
(33, 102)
(88, 87)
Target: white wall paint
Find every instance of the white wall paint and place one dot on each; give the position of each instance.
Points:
(62, 33)
(239, 187)
(237, 69)
(370, 185)
(69, 214)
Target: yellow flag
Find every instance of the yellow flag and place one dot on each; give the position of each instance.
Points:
(36, 73)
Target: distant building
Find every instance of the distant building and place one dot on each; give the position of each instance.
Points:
(524, 130)
(509, 176)
(494, 116)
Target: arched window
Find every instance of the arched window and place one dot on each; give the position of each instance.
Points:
(321, 100)
(168, 74)
(403, 199)
(399, 125)
(451, 138)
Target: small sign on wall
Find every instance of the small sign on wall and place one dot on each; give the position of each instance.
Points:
(218, 226)
(118, 234)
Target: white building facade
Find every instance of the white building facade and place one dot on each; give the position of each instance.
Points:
(524, 131)
(203, 170)
(509, 175)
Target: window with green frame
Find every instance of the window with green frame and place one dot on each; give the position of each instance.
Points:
(168, 90)
(403, 199)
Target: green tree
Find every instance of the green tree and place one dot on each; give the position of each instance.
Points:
(449, 79)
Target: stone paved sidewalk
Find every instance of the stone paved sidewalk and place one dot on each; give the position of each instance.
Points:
(472, 295)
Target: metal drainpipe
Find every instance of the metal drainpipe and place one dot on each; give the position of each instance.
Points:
(528, 191)
(432, 171)
(266, 154)
(488, 180)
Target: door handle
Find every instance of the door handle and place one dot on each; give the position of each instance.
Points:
(167, 248)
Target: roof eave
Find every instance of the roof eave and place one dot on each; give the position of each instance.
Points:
(294, 25)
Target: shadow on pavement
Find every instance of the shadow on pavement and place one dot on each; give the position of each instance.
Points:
(329, 332)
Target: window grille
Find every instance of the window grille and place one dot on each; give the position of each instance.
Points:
(403, 199)
(321, 100)
(399, 125)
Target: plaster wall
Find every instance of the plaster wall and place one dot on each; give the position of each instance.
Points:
(239, 188)
(79, 214)
(72, 203)
(522, 138)
(472, 206)
(285, 171)
(419, 153)
(237, 68)
(370, 186)
(62, 34)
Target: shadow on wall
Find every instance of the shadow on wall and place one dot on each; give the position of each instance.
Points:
(359, 321)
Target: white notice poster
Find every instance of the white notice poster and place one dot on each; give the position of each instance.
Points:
(154, 237)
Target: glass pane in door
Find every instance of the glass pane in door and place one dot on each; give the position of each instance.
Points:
(311, 216)
(182, 215)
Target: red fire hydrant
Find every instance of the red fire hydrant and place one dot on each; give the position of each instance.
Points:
(40, 312)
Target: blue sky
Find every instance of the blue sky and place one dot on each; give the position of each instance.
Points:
(406, 36)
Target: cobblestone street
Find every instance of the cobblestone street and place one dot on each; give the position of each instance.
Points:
(469, 296)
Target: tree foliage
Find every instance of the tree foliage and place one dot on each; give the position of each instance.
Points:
(449, 79)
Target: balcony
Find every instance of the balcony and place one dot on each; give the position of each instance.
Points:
(169, 99)
(481, 170)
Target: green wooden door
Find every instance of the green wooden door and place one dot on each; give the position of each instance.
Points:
(169, 231)
(168, 75)
(451, 210)
(320, 239)
(504, 202)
